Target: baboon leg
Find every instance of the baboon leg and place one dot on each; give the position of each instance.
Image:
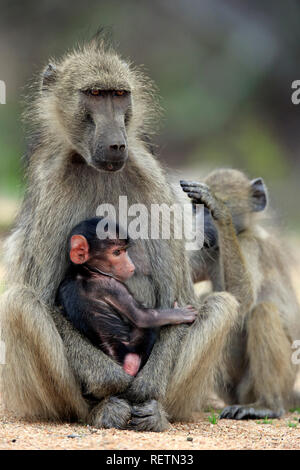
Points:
(200, 355)
(192, 358)
(99, 375)
(37, 381)
(271, 375)
(112, 412)
(192, 355)
(182, 366)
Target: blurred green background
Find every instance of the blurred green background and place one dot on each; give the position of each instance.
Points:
(224, 71)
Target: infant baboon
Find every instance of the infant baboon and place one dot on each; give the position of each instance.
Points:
(95, 299)
(90, 117)
(241, 257)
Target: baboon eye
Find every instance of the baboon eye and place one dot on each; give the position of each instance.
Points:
(120, 92)
(95, 92)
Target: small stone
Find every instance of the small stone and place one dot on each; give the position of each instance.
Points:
(73, 436)
(189, 438)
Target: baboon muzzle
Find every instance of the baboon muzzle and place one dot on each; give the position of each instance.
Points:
(111, 156)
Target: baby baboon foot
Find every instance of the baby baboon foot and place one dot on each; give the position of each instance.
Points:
(249, 412)
(112, 412)
(149, 416)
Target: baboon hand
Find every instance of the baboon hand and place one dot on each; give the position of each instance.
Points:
(148, 416)
(200, 193)
(186, 314)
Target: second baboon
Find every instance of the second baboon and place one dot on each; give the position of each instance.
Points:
(90, 115)
(241, 257)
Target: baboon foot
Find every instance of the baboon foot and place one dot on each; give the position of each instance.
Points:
(249, 412)
(149, 416)
(112, 412)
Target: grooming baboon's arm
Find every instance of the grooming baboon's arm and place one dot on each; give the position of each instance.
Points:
(234, 275)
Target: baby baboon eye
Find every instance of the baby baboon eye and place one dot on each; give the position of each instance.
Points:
(120, 92)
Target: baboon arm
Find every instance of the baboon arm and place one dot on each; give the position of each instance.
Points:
(235, 276)
(99, 375)
(123, 302)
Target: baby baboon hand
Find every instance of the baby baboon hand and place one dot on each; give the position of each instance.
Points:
(186, 314)
(200, 193)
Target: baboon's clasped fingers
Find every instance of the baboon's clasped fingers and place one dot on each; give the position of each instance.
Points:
(200, 193)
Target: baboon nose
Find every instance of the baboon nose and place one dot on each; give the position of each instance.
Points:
(117, 147)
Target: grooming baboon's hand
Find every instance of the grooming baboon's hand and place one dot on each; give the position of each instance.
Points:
(200, 193)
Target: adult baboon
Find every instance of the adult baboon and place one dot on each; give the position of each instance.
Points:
(243, 258)
(90, 115)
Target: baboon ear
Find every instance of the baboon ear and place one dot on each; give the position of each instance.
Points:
(49, 76)
(258, 194)
(79, 252)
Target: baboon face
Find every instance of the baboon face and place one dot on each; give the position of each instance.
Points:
(102, 137)
(93, 102)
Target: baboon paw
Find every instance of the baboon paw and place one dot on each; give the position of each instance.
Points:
(249, 412)
(200, 193)
(112, 412)
(149, 416)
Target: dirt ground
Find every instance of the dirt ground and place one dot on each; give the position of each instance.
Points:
(199, 434)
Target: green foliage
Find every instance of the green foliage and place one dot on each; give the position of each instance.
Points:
(295, 410)
(10, 149)
(265, 421)
(213, 418)
(224, 86)
(291, 424)
(251, 146)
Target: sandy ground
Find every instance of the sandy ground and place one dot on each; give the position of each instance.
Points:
(199, 434)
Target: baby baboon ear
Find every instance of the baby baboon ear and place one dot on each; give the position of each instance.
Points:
(49, 76)
(79, 252)
(258, 194)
